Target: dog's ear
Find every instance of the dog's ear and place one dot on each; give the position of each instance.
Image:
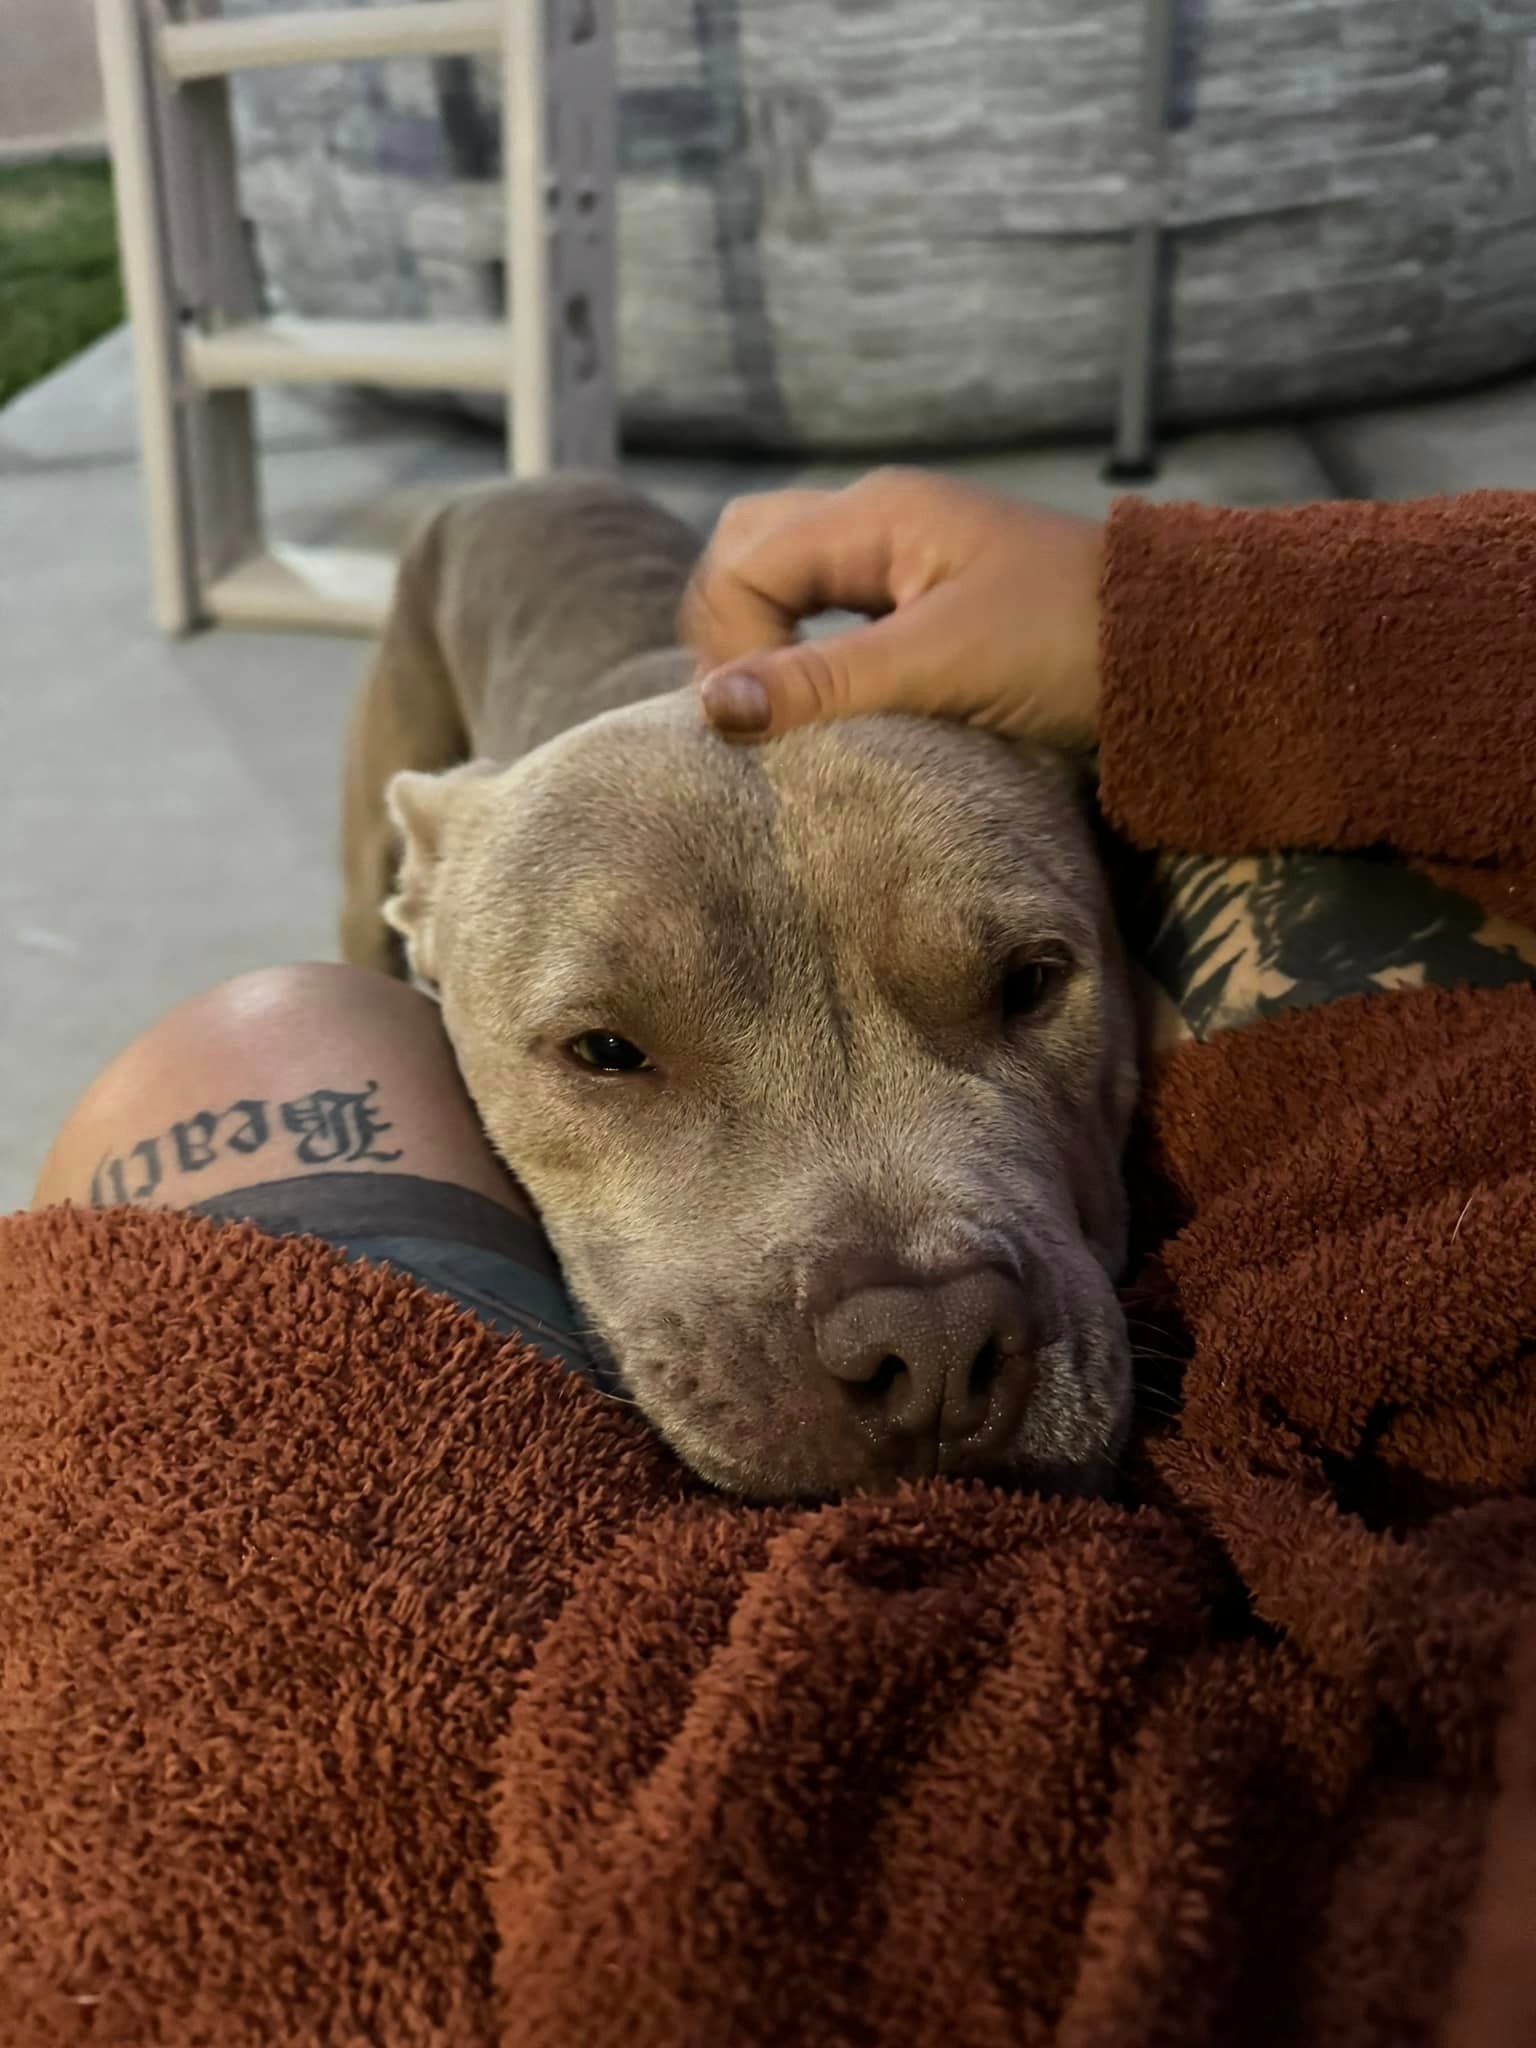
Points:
(420, 807)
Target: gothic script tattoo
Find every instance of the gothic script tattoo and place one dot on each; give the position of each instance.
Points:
(327, 1127)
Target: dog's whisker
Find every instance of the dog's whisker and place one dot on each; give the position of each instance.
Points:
(1147, 1351)
(1168, 1413)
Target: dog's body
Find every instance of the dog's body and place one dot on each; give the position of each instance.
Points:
(816, 1057)
(517, 615)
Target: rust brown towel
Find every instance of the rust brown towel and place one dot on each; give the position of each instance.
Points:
(1341, 676)
(321, 1605)
(364, 1679)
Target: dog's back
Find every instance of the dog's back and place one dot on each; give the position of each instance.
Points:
(518, 613)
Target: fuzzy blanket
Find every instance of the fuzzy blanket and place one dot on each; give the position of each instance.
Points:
(363, 1679)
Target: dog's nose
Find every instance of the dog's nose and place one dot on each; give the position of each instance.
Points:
(934, 1361)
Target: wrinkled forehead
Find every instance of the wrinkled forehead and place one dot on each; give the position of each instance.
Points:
(930, 819)
(646, 833)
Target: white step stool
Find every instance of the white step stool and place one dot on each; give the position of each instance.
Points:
(201, 343)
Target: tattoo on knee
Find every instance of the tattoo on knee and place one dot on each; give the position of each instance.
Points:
(327, 1127)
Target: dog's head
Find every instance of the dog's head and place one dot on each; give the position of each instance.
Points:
(817, 1060)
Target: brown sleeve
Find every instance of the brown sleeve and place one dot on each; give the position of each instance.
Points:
(1334, 675)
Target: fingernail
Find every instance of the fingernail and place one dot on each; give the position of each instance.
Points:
(734, 702)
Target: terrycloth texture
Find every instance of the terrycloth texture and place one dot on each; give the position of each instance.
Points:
(276, 1533)
(1338, 676)
(364, 1679)
(321, 1606)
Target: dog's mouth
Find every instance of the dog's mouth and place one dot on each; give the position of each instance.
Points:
(1058, 1424)
(774, 1393)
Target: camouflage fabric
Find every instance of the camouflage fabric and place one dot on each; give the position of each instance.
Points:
(1227, 942)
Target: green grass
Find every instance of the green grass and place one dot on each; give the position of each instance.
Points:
(58, 267)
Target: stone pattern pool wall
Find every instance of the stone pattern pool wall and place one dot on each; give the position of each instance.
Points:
(873, 223)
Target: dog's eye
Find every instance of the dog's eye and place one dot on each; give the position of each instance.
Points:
(607, 1053)
(1027, 985)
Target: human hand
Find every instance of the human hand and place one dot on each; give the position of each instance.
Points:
(982, 608)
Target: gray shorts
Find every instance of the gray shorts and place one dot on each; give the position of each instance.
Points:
(455, 1242)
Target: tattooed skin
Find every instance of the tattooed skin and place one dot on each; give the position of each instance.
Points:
(329, 1127)
(1230, 941)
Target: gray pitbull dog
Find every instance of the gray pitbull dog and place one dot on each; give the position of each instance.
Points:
(816, 1057)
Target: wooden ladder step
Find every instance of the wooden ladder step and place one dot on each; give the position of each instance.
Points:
(417, 354)
(214, 48)
(332, 590)
(202, 346)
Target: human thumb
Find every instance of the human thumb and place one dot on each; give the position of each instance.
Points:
(836, 676)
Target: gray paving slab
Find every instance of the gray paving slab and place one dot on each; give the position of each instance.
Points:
(695, 491)
(84, 412)
(1476, 441)
(1262, 466)
(166, 809)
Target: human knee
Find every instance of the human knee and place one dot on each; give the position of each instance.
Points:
(264, 1000)
(263, 1011)
(271, 1032)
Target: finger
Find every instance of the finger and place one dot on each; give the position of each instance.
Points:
(904, 662)
(747, 518)
(772, 570)
(718, 610)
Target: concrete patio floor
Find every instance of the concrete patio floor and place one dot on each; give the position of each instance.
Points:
(167, 809)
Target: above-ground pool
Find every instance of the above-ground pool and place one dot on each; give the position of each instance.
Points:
(860, 223)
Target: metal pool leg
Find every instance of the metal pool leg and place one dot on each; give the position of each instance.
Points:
(1133, 458)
